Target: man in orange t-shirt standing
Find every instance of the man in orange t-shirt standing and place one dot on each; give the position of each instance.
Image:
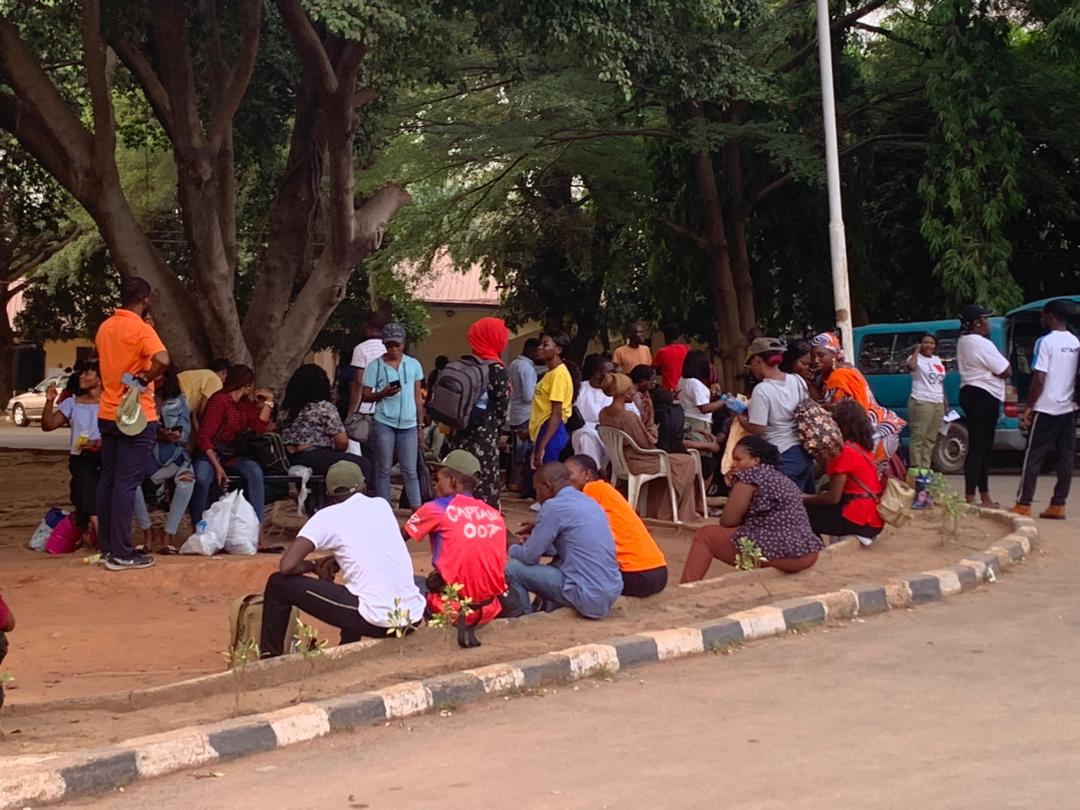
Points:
(130, 354)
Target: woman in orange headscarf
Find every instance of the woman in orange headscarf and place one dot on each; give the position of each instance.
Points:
(487, 339)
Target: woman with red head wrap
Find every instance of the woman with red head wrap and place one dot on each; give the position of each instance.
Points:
(487, 339)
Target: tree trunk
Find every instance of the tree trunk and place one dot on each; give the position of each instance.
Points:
(737, 213)
(7, 348)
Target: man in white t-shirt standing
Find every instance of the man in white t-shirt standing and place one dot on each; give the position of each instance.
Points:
(364, 354)
(363, 540)
(1051, 414)
(771, 413)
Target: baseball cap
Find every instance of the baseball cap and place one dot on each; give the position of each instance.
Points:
(763, 345)
(461, 461)
(130, 419)
(344, 475)
(393, 333)
(972, 313)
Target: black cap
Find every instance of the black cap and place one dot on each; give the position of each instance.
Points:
(972, 313)
(1060, 308)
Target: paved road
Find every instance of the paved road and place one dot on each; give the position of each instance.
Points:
(969, 703)
(32, 438)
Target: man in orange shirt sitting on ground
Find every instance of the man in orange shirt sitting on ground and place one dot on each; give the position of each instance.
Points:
(643, 567)
(130, 355)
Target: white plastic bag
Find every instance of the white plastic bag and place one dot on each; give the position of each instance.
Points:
(210, 540)
(243, 536)
(304, 474)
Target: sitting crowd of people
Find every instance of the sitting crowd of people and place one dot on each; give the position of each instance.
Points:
(140, 428)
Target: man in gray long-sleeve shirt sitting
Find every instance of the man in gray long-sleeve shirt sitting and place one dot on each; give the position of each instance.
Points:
(585, 574)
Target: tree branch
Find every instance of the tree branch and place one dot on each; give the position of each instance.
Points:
(240, 76)
(308, 45)
(839, 24)
(96, 59)
(895, 37)
(682, 231)
(136, 61)
(27, 266)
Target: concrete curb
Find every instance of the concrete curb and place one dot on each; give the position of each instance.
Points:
(41, 779)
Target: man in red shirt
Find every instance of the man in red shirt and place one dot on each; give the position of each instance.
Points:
(669, 360)
(130, 354)
(468, 542)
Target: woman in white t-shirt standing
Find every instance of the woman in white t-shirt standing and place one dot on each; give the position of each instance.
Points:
(983, 371)
(927, 405)
(771, 414)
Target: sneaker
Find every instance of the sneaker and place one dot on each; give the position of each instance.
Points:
(1053, 512)
(1023, 509)
(129, 562)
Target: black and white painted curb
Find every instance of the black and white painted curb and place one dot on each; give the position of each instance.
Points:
(40, 779)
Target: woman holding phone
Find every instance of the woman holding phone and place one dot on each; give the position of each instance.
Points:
(394, 383)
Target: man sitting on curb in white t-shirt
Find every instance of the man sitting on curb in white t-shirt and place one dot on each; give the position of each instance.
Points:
(363, 539)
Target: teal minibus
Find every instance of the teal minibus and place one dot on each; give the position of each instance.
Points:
(881, 350)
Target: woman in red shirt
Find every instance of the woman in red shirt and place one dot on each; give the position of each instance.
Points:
(227, 414)
(849, 505)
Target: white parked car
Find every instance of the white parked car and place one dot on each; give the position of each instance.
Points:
(28, 407)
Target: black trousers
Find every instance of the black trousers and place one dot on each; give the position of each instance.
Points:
(981, 409)
(829, 519)
(85, 470)
(1049, 434)
(644, 583)
(326, 601)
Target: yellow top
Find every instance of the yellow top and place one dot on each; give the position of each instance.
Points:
(555, 386)
(198, 385)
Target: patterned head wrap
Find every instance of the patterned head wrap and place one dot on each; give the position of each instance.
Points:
(829, 340)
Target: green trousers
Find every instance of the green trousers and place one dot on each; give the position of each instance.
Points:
(924, 420)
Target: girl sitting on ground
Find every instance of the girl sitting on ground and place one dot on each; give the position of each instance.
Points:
(765, 507)
(849, 505)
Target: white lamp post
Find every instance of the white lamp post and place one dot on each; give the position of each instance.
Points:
(837, 243)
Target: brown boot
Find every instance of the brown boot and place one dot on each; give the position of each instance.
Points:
(1022, 509)
(1053, 512)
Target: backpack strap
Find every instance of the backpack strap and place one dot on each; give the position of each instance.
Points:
(861, 483)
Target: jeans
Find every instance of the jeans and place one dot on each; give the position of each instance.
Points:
(546, 581)
(406, 442)
(924, 420)
(799, 467)
(1049, 434)
(206, 486)
(326, 601)
(124, 462)
(183, 488)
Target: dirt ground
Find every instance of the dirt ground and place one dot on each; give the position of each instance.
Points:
(84, 631)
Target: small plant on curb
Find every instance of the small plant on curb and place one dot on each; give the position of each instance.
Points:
(238, 659)
(751, 558)
(953, 507)
(5, 677)
(399, 623)
(311, 647)
(454, 603)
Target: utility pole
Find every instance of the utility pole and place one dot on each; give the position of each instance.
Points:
(837, 242)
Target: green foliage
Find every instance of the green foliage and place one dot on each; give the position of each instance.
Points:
(952, 505)
(971, 186)
(454, 603)
(749, 556)
(238, 659)
(399, 620)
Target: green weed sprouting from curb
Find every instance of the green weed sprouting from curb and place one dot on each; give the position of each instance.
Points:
(311, 647)
(953, 507)
(238, 659)
(400, 621)
(5, 677)
(751, 558)
(454, 603)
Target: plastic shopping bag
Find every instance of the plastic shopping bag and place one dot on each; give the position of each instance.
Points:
(243, 535)
(213, 529)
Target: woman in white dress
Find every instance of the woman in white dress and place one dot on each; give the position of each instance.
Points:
(591, 399)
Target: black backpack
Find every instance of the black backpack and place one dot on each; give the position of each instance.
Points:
(458, 390)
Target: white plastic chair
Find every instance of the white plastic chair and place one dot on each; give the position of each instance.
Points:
(699, 475)
(615, 441)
